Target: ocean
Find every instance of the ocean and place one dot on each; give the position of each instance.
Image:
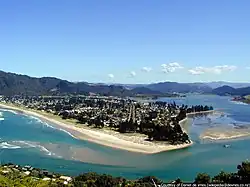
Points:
(27, 140)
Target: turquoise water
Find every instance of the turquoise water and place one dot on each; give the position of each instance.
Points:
(28, 140)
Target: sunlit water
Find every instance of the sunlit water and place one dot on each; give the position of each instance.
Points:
(28, 140)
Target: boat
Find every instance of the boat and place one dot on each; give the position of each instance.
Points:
(226, 146)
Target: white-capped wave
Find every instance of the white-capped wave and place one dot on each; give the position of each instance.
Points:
(60, 129)
(5, 145)
(34, 119)
(49, 153)
(1, 119)
(8, 110)
(27, 144)
(45, 150)
(239, 103)
(38, 120)
(67, 132)
(50, 126)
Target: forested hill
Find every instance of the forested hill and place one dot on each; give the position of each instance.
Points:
(14, 84)
(227, 90)
(170, 87)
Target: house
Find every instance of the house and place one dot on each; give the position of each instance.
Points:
(27, 172)
(24, 169)
(29, 168)
(66, 178)
(5, 172)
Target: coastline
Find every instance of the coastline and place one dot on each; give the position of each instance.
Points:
(202, 112)
(130, 142)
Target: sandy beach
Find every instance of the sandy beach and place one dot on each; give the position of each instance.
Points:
(128, 142)
(192, 114)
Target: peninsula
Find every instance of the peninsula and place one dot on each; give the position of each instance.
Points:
(111, 121)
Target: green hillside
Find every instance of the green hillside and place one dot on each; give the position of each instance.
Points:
(27, 176)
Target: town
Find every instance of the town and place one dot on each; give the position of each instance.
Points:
(158, 120)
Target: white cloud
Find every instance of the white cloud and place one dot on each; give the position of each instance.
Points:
(132, 74)
(220, 69)
(111, 76)
(215, 69)
(197, 71)
(171, 67)
(146, 69)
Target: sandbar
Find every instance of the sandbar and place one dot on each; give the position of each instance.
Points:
(224, 133)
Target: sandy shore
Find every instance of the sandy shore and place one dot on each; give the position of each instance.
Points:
(224, 133)
(128, 142)
(203, 112)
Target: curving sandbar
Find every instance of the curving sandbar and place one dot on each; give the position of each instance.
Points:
(133, 142)
(224, 133)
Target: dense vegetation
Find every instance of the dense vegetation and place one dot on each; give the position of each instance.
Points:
(241, 176)
(157, 124)
(168, 130)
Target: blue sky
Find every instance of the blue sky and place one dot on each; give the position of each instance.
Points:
(127, 41)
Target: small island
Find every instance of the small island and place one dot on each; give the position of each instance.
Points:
(146, 127)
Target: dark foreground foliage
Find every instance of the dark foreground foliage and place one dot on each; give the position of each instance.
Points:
(91, 179)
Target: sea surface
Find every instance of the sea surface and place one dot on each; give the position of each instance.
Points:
(27, 140)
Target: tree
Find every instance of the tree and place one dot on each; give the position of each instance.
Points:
(222, 177)
(148, 181)
(244, 172)
(106, 180)
(202, 178)
(178, 181)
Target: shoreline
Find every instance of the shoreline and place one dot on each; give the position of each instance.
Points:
(220, 136)
(207, 137)
(189, 115)
(129, 142)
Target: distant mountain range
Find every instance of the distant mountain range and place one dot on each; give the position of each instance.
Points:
(231, 84)
(228, 90)
(15, 84)
(171, 87)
